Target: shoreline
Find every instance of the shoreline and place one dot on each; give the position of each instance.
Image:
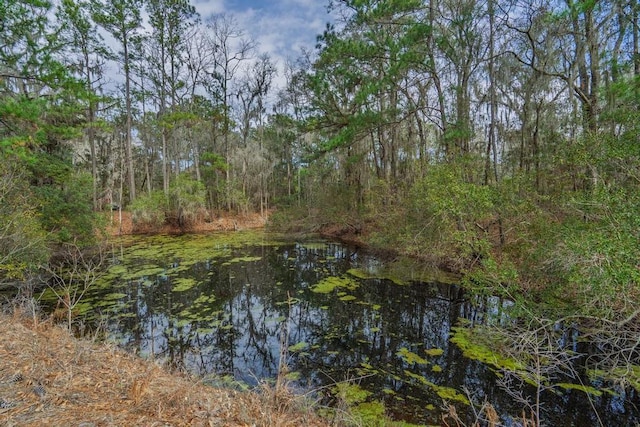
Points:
(120, 223)
(50, 377)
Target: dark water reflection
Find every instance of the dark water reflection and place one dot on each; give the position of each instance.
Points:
(223, 313)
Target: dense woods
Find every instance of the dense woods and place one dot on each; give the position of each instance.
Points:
(499, 139)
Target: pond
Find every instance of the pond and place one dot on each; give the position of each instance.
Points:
(229, 306)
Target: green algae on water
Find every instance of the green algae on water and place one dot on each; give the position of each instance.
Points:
(434, 352)
(296, 348)
(462, 337)
(329, 284)
(446, 393)
(183, 284)
(410, 357)
(586, 389)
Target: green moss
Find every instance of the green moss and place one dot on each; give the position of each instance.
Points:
(347, 298)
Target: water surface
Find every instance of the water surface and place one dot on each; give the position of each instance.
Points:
(228, 306)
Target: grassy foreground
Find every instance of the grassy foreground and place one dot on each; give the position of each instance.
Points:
(48, 377)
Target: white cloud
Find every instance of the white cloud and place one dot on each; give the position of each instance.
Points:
(208, 7)
(281, 28)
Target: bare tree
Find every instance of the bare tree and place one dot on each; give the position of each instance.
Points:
(72, 275)
(251, 94)
(230, 49)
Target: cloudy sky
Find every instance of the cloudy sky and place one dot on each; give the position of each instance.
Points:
(281, 27)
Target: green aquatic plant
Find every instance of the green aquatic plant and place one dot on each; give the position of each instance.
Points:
(296, 348)
(626, 376)
(144, 271)
(581, 387)
(361, 410)
(313, 245)
(245, 259)
(385, 275)
(410, 357)
(359, 273)
(446, 393)
(183, 284)
(475, 347)
(191, 248)
(434, 352)
(329, 284)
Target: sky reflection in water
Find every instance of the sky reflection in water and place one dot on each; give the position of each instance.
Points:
(221, 305)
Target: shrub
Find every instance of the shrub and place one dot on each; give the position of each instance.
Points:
(23, 245)
(445, 216)
(187, 201)
(148, 212)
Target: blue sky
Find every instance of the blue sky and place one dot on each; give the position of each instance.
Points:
(281, 27)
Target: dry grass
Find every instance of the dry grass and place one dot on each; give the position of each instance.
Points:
(47, 377)
(118, 225)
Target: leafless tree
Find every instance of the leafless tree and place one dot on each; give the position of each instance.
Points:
(231, 48)
(72, 274)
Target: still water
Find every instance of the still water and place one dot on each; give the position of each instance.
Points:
(229, 306)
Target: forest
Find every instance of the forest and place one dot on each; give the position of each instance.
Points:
(497, 139)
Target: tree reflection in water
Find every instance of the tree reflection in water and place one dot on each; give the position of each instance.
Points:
(222, 314)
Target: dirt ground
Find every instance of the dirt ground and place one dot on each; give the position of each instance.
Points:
(49, 378)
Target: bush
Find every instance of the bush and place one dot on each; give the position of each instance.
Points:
(148, 212)
(184, 205)
(187, 201)
(23, 246)
(445, 217)
(65, 200)
(593, 256)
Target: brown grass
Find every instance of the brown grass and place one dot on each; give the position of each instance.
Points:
(48, 377)
(118, 224)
